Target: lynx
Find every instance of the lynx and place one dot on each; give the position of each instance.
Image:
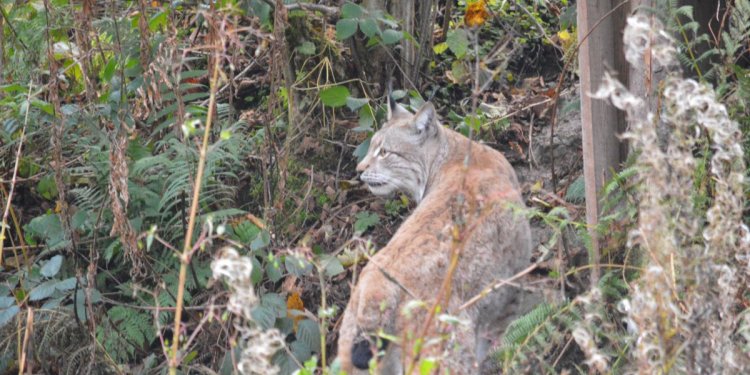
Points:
(462, 189)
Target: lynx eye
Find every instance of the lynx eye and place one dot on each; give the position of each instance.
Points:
(383, 153)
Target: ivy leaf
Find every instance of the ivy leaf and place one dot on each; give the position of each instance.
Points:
(288, 362)
(334, 96)
(369, 27)
(366, 119)
(66, 284)
(365, 221)
(6, 302)
(109, 70)
(42, 290)
(391, 36)
(261, 240)
(440, 48)
(264, 316)
(458, 42)
(351, 10)
(361, 151)
(273, 271)
(257, 273)
(52, 267)
(356, 103)
(245, 231)
(306, 48)
(275, 302)
(53, 303)
(309, 333)
(262, 10)
(48, 228)
(398, 94)
(81, 220)
(331, 265)
(286, 325)
(7, 314)
(47, 187)
(297, 266)
(345, 28)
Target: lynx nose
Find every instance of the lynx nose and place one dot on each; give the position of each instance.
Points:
(362, 166)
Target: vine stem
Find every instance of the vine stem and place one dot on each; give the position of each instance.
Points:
(186, 250)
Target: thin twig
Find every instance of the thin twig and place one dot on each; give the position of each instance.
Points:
(26, 336)
(497, 285)
(15, 175)
(184, 259)
(564, 349)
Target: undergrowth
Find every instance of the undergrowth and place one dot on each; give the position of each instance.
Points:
(104, 107)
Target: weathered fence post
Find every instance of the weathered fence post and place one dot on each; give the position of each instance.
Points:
(602, 150)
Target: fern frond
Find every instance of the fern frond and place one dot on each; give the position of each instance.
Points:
(88, 198)
(521, 327)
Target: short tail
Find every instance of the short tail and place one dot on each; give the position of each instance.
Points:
(363, 350)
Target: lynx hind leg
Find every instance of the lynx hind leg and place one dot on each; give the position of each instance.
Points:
(371, 308)
(347, 333)
(353, 350)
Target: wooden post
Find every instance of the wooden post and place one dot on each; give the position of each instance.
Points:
(601, 122)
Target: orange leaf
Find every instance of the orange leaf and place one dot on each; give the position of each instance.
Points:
(294, 302)
(476, 14)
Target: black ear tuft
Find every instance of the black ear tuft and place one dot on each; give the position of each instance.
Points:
(389, 114)
(361, 354)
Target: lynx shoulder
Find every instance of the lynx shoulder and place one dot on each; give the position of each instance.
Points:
(463, 208)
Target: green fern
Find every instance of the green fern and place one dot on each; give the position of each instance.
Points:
(576, 192)
(531, 338)
(124, 331)
(536, 342)
(521, 327)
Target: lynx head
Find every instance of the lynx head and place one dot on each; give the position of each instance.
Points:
(401, 152)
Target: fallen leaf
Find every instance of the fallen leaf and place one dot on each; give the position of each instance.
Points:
(476, 14)
(294, 303)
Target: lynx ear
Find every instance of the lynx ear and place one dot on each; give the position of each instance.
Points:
(425, 121)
